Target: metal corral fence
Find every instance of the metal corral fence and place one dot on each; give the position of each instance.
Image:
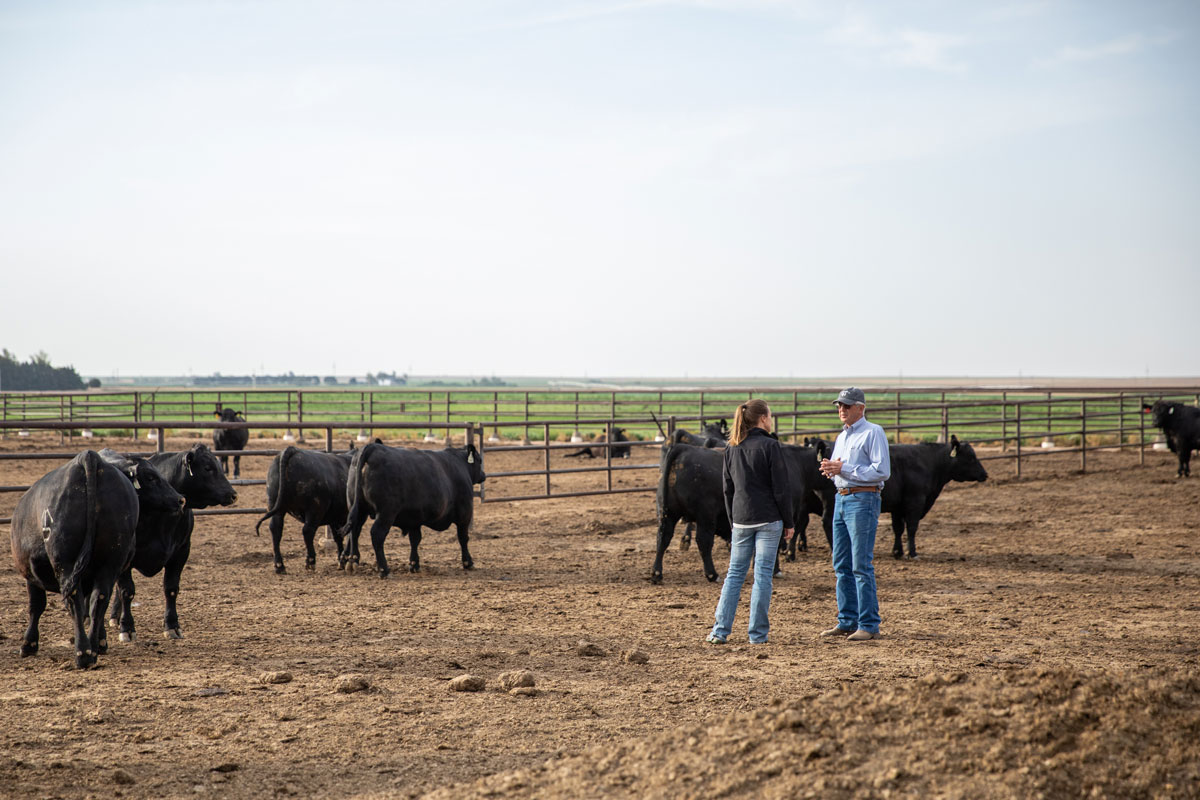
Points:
(1006, 429)
(901, 408)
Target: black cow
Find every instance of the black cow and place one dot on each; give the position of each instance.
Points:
(311, 487)
(919, 473)
(153, 491)
(714, 434)
(1181, 425)
(164, 539)
(618, 451)
(689, 488)
(73, 533)
(230, 438)
(409, 488)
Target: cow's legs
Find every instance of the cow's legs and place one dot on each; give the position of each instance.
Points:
(704, 543)
(799, 540)
(379, 532)
(224, 465)
(912, 522)
(78, 608)
(347, 538)
(898, 532)
(666, 529)
(827, 522)
(37, 605)
(310, 551)
(463, 535)
(685, 541)
(121, 612)
(414, 539)
(171, 574)
(99, 597)
(276, 527)
(237, 466)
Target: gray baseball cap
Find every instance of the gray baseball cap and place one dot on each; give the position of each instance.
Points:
(851, 397)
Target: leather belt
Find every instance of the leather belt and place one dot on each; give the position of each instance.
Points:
(857, 489)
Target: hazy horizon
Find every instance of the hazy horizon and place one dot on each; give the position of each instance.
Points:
(691, 187)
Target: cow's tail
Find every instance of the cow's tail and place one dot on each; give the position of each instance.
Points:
(284, 458)
(664, 477)
(356, 478)
(91, 470)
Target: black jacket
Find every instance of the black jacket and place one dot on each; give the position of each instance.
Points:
(755, 480)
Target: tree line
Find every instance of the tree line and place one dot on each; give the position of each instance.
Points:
(36, 374)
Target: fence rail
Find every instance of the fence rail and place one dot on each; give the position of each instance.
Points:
(1012, 427)
(367, 408)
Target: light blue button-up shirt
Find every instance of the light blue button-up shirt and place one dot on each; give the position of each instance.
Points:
(863, 449)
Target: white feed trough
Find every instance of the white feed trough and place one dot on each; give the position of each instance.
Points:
(86, 433)
(576, 438)
(1160, 444)
(1047, 444)
(430, 438)
(287, 436)
(363, 436)
(23, 432)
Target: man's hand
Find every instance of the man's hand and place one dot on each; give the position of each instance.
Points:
(788, 533)
(830, 468)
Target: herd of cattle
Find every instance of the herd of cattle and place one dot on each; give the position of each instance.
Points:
(82, 529)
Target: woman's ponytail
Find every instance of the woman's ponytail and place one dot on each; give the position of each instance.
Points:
(746, 417)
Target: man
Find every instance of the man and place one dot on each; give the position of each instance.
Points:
(859, 467)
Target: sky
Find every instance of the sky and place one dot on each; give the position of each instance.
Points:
(630, 188)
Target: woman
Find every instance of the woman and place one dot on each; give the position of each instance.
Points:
(756, 499)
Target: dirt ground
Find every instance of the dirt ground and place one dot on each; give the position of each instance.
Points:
(1045, 644)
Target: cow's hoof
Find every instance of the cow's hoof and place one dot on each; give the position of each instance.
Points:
(414, 567)
(173, 633)
(310, 566)
(913, 557)
(897, 554)
(102, 647)
(280, 569)
(112, 623)
(84, 658)
(468, 565)
(803, 549)
(711, 578)
(791, 556)
(29, 649)
(383, 573)
(127, 637)
(656, 578)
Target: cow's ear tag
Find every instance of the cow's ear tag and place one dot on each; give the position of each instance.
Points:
(136, 485)
(470, 458)
(1172, 410)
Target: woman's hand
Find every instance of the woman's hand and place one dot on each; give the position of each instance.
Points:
(788, 533)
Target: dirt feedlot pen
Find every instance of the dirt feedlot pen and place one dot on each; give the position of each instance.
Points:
(1007, 429)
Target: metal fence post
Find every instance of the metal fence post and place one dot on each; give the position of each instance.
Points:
(1083, 436)
(299, 417)
(1121, 421)
(1141, 431)
(161, 446)
(1004, 422)
(608, 440)
(546, 445)
(1018, 438)
(329, 439)
(448, 440)
(525, 440)
(945, 419)
(137, 413)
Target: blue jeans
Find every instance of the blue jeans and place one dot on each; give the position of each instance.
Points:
(855, 517)
(761, 544)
